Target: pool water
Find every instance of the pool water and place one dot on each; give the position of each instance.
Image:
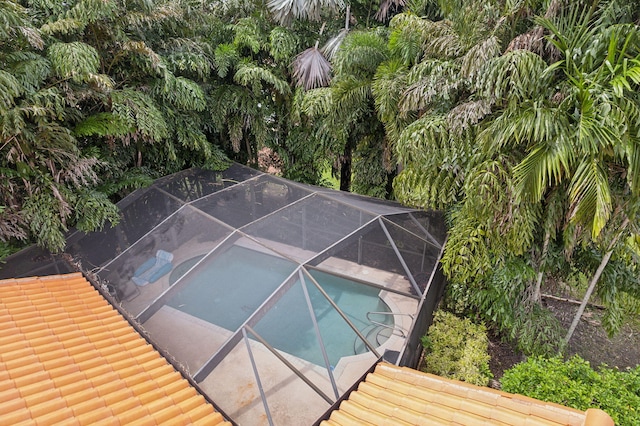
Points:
(228, 289)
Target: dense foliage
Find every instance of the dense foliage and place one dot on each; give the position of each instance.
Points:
(519, 118)
(456, 348)
(575, 384)
(98, 97)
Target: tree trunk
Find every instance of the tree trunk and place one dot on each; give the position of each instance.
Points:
(537, 298)
(594, 281)
(345, 169)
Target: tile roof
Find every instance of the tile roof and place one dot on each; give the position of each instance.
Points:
(402, 396)
(67, 356)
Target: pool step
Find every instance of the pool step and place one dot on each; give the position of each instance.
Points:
(375, 334)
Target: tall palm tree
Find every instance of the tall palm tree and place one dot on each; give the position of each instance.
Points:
(580, 128)
(509, 142)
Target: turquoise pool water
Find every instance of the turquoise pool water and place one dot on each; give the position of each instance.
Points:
(227, 290)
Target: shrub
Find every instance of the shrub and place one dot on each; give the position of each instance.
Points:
(457, 349)
(575, 384)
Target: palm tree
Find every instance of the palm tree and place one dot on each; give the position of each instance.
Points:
(347, 117)
(579, 128)
(93, 90)
(506, 143)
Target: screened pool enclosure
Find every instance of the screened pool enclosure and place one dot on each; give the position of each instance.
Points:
(275, 296)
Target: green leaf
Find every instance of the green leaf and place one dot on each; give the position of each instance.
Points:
(74, 60)
(104, 124)
(590, 196)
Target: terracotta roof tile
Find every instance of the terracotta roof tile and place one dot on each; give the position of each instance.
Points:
(69, 357)
(400, 395)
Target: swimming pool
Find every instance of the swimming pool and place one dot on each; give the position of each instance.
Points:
(228, 289)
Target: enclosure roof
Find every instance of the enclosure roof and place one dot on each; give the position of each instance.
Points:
(290, 292)
(68, 354)
(404, 396)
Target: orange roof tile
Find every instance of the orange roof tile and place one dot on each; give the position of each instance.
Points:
(402, 396)
(67, 355)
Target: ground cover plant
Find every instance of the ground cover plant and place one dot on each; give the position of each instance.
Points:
(457, 348)
(576, 384)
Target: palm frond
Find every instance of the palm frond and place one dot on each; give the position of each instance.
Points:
(10, 88)
(317, 102)
(104, 124)
(518, 74)
(633, 158)
(190, 56)
(57, 143)
(228, 100)
(33, 36)
(101, 82)
(13, 17)
(423, 139)
(125, 181)
(333, 44)
(351, 96)
(528, 124)
(311, 69)
(139, 110)
(595, 131)
(46, 215)
(531, 40)
(49, 103)
(387, 87)
(181, 92)
(252, 75)
(151, 61)
(479, 55)
(29, 68)
(81, 173)
(430, 82)
(465, 115)
(360, 54)
(387, 7)
(283, 44)
(443, 41)
(572, 30)
(553, 214)
(189, 134)
(92, 10)
(406, 41)
(590, 196)
(248, 34)
(284, 11)
(92, 209)
(75, 60)
(13, 225)
(64, 26)
(427, 187)
(621, 82)
(225, 58)
(545, 166)
(235, 132)
(154, 14)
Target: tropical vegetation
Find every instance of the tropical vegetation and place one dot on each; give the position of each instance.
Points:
(458, 349)
(518, 118)
(574, 383)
